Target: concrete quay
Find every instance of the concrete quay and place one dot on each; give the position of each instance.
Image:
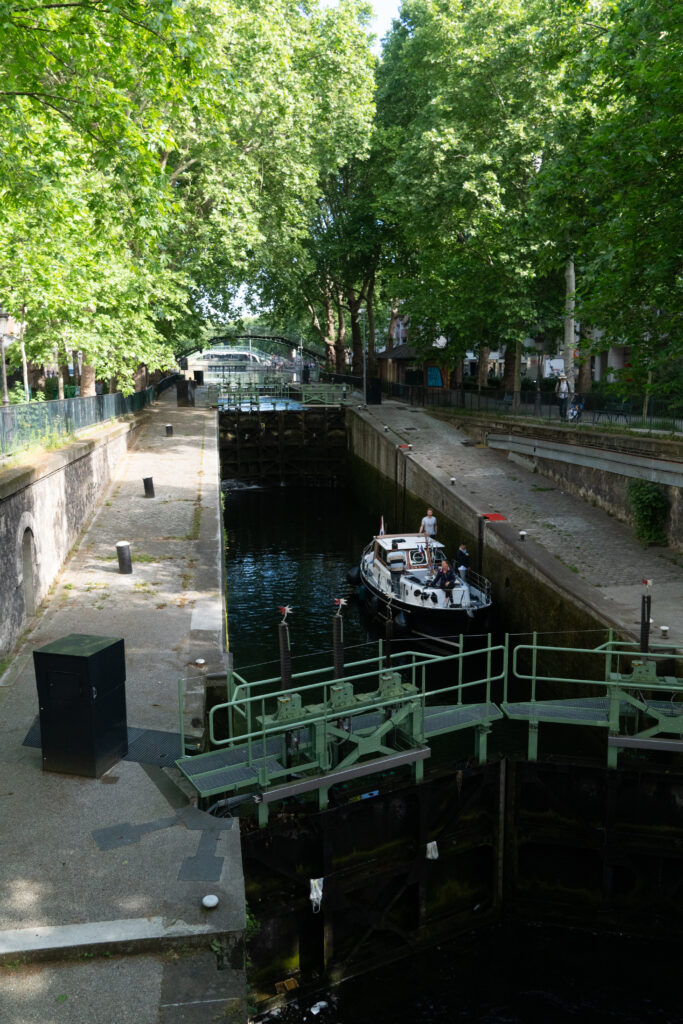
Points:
(583, 552)
(101, 880)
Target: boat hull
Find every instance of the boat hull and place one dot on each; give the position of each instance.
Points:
(438, 622)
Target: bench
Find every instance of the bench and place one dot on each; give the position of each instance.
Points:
(614, 411)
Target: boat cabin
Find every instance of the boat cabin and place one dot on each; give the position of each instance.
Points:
(413, 547)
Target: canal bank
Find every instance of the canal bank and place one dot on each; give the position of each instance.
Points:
(102, 879)
(555, 561)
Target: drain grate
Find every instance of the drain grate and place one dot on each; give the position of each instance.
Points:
(145, 746)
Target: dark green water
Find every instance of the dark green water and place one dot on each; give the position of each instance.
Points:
(289, 547)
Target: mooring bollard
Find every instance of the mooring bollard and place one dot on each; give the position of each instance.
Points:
(169, 430)
(148, 481)
(123, 552)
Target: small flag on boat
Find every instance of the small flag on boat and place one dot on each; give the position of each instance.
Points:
(340, 603)
(647, 583)
(381, 527)
(284, 611)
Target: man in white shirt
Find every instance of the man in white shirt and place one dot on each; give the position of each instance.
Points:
(428, 524)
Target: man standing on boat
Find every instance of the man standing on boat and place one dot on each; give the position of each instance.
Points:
(428, 524)
(462, 558)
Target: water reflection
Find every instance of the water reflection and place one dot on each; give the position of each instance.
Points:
(287, 546)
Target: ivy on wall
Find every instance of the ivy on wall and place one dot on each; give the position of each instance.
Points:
(650, 506)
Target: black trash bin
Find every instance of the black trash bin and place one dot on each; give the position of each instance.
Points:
(82, 701)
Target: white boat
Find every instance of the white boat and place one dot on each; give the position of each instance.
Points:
(396, 578)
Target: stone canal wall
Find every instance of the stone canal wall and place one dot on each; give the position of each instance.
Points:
(595, 465)
(529, 583)
(44, 506)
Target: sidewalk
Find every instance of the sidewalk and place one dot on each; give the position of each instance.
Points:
(104, 877)
(600, 552)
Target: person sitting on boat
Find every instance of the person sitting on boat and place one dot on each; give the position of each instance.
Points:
(396, 561)
(445, 578)
(462, 557)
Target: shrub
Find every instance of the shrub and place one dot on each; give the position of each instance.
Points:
(650, 505)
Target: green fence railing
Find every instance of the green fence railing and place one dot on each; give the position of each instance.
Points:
(32, 424)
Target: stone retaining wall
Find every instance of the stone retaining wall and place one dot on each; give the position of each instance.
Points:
(43, 509)
(605, 489)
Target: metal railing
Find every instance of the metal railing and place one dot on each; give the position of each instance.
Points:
(36, 424)
(337, 722)
(661, 412)
(275, 393)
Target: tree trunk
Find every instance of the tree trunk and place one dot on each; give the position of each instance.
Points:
(569, 323)
(354, 305)
(140, 378)
(392, 327)
(62, 379)
(509, 370)
(340, 343)
(87, 381)
(584, 381)
(516, 384)
(483, 366)
(372, 367)
(326, 336)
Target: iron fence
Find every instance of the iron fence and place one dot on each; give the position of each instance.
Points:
(657, 413)
(32, 424)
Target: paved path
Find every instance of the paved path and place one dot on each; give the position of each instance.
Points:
(600, 550)
(98, 872)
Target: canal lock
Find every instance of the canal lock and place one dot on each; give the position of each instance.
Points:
(562, 842)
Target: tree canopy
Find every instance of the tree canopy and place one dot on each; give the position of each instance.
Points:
(147, 151)
(159, 159)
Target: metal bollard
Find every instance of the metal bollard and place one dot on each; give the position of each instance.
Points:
(123, 552)
(169, 430)
(148, 481)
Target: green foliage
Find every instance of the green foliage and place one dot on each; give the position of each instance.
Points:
(650, 506)
(17, 395)
(151, 149)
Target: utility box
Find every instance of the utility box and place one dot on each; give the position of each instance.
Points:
(82, 701)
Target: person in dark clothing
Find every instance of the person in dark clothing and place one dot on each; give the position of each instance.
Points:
(462, 558)
(445, 578)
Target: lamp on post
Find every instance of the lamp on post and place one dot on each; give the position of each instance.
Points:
(4, 320)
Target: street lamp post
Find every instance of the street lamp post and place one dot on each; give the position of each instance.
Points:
(4, 320)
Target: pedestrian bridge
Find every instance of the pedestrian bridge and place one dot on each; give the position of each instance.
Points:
(384, 712)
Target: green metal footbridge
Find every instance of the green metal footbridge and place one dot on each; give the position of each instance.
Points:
(382, 713)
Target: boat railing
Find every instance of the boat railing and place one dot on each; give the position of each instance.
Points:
(480, 583)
